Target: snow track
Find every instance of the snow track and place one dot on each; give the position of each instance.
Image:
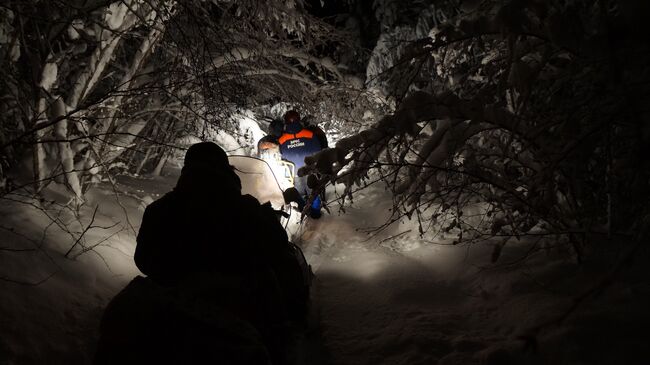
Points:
(378, 306)
(401, 301)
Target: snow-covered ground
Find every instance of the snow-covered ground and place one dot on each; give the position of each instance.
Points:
(379, 300)
(400, 301)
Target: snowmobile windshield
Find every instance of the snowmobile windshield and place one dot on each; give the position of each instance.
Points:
(258, 180)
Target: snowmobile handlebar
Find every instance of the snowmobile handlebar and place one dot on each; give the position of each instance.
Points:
(281, 213)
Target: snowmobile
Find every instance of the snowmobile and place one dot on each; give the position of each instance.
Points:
(148, 323)
(283, 170)
(265, 180)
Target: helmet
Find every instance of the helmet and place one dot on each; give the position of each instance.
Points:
(291, 116)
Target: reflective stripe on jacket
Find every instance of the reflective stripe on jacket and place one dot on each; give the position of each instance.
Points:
(296, 146)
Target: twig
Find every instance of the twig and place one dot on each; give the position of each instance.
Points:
(88, 227)
(35, 283)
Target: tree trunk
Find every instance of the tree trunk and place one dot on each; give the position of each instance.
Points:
(144, 160)
(161, 164)
(125, 83)
(40, 170)
(65, 151)
(39, 161)
(98, 60)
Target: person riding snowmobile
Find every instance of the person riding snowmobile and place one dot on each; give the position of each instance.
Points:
(268, 149)
(297, 142)
(208, 268)
(270, 141)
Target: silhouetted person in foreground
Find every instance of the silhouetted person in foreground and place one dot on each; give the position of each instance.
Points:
(223, 265)
(206, 225)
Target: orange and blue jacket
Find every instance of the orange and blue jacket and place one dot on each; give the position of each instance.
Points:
(303, 142)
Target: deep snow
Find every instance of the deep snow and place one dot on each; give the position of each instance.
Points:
(404, 302)
(378, 300)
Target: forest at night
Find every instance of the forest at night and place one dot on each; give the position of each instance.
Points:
(324, 182)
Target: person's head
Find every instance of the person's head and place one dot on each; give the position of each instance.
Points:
(206, 155)
(291, 116)
(207, 158)
(292, 121)
(276, 127)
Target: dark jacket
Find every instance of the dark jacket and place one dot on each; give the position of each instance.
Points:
(298, 142)
(206, 225)
(320, 134)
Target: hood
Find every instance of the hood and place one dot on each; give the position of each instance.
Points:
(202, 182)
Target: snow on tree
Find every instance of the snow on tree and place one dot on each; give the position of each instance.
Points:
(503, 116)
(117, 85)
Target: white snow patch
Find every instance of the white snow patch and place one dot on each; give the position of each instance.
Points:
(48, 78)
(249, 131)
(228, 143)
(74, 28)
(116, 13)
(51, 313)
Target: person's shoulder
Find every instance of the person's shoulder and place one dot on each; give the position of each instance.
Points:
(319, 133)
(165, 201)
(314, 128)
(249, 200)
